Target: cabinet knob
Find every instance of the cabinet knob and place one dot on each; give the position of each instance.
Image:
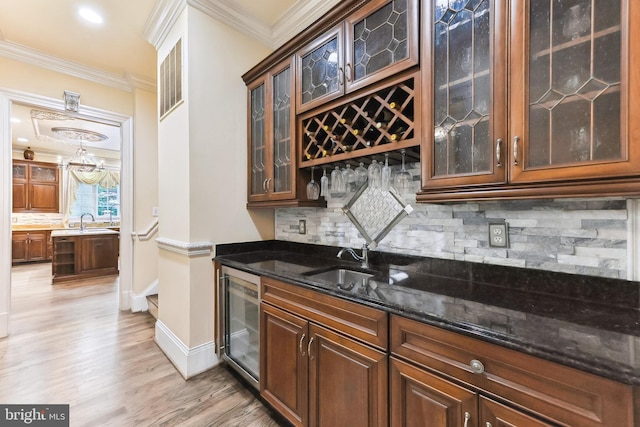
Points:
(476, 366)
(488, 424)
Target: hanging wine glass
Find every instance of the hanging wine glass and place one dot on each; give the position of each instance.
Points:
(403, 178)
(337, 181)
(348, 177)
(374, 174)
(324, 184)
(313, 189)
(361, 174)
(386, 173)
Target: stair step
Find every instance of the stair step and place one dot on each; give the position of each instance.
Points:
(152, 302)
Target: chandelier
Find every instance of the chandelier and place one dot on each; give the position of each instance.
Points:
(81, 161)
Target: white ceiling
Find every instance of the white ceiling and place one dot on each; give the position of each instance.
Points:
(118, 50)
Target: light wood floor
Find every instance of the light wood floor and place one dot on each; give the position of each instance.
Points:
(70, 344)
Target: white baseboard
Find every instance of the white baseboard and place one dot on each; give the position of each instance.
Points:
(139, 301)
(4, 325)
(188, 361)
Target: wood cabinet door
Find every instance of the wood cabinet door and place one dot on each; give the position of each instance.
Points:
(43, 197)
(347, 382)
(419, 398)
(573, 86)
(19, 247)
(284, 363)
(20, 181)
(98, 253)
(320, 70)
(494, 414)
(464, 57)
(381, 40)
(37, 246)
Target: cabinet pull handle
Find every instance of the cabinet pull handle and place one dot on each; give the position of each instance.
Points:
(467, 417)
(499, 152)
(488, 424)
(309, 348)
(268, 184)
(347, 72)
(341, 76)
(300, 345)
(516, 139)
(476, 366)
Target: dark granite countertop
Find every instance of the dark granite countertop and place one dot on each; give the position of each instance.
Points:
(585, 322)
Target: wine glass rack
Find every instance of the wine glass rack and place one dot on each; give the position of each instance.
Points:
(376, 122)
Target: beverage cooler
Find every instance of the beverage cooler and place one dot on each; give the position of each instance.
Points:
(238, 322)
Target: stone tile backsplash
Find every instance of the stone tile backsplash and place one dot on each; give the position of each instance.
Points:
(583, 236)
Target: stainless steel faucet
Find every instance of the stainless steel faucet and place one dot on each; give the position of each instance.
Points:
(364, 258)
(82, 227)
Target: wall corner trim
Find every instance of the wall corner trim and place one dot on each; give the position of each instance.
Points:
(188, 361)
(195, 249)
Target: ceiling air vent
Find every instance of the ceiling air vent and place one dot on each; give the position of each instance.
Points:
(171, 80)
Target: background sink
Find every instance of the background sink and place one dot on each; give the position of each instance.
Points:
(341, 276)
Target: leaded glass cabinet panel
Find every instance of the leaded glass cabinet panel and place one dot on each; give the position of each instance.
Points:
(570, 94)
(257, 140)
(465, 109)
(382, 39)
(282, 131)
(321, 70)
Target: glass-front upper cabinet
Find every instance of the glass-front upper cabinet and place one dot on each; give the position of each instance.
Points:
(464, 92)
(375, 42)
(571, 90)
(271, 127)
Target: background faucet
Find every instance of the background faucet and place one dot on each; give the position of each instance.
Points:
(82, 227)
(364, 258)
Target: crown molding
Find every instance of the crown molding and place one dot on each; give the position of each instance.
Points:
(161, 19)
(302, 14)
(27, 55)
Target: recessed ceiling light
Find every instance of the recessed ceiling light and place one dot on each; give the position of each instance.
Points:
(23, 139)
(15, 120)
(90, 15)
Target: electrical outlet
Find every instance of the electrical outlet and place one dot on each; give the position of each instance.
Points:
(498, 235)
(302, 226)
(155, 211)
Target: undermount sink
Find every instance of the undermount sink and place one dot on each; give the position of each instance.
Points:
(342, 277)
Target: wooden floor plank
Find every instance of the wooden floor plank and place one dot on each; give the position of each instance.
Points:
(70, 344)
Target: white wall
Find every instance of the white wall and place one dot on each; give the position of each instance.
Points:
(202, 172)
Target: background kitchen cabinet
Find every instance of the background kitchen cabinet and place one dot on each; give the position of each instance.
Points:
(569, 86)
(316, 376)
(27, 246)
(82, 256)
(374, 42)
(35, 187)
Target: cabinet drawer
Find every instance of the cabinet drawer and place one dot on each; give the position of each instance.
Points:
(560, 393)
(364, 323)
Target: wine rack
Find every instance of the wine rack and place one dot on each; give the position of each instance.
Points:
(376, 122)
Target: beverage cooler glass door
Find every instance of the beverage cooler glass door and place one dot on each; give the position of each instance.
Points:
(241, 323)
